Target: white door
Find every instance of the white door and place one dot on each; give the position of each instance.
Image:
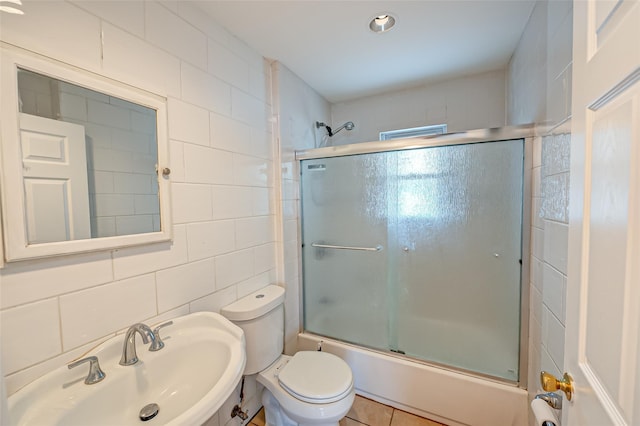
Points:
(54, 164)
(603, 300)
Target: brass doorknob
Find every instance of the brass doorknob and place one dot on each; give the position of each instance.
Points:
(551, 384)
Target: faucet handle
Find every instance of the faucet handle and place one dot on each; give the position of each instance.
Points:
(95, 373)
(158, 344)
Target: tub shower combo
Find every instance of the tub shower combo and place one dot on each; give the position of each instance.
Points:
(413, 256)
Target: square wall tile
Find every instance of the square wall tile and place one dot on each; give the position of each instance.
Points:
(254, 231)
(31, 280)
(30, 334)
(247, 287)
(230, 134)
(205, 90)
(182, 284)
(265, 257)
(44, 28)
(202, 21)
(176, 156)
(553, 293)
(247, 109)
(131, 261)
(262, 140)
(214, 302)
(139, 63)
(251, 171)
(170, 32)
(207, 165)
(188, 123)
(191, 202)
(90, 314)
(233, 267)
(127, 15)
(556, 245)
(232, 201)
(108, 115)
(228, 66)
(208, 239)
(261, 201)
(555, 340)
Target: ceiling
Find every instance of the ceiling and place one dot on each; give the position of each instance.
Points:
(329, 45)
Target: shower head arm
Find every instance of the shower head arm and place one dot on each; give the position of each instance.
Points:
(348, 125)
(341, 127)
(320, 124)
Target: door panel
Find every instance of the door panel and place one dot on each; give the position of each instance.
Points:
(604, 235)
(56, 189)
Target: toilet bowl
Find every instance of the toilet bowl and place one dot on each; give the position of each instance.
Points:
(308, 388)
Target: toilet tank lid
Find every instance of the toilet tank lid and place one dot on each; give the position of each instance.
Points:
(255, 304)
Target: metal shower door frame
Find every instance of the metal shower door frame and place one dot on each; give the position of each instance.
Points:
(526, 133)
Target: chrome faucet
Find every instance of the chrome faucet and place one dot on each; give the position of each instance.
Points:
(95, 373)
(129, 356)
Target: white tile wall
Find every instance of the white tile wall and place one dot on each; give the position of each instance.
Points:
(121, 303)
(539, 92)
(230, 135)
(127, 225)
(169, 32)
(466, 103)
(180, 285)
(128, 15)
(191, 203)
(228, 66)
(139, 64)
(300, 107)
(188, 123)
(132, 261)
(33, 329)
(205, 90)
(77, 43)
(28, 281)
(222, 180)
(208, 239)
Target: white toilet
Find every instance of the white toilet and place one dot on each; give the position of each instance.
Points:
(309, 388)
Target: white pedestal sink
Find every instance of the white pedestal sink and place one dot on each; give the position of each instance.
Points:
(190, 378)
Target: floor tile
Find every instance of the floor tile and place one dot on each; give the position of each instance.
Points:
(370, 412)
(258, 419)
(350, 422)
(402, 418)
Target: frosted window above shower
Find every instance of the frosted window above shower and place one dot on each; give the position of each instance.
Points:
(438, 129)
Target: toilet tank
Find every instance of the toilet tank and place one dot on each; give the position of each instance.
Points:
(261, 316)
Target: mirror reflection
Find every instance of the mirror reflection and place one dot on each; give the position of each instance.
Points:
(89, 162)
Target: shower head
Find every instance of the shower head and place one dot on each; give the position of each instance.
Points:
(348, 125)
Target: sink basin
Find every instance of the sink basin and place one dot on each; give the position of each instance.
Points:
(190, 378)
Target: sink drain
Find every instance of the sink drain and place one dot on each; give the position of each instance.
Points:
(149, 411)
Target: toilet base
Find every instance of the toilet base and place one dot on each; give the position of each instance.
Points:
(275, 415)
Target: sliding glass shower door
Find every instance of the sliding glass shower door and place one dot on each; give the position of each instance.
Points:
(345, 203)
(418, 252)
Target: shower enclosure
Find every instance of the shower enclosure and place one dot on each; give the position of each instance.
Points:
(415, 248)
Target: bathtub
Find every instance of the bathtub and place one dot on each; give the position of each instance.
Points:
(450, 397)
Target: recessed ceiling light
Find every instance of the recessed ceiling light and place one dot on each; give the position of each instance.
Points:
(382, 22)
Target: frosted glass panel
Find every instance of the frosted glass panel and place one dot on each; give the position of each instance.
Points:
(344, 203)
(459, 229)
(445, 287)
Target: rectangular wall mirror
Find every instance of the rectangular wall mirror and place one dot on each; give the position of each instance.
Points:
(84, 163)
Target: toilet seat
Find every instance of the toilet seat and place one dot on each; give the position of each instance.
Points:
(316, 377)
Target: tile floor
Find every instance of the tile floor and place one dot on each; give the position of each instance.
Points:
(367, 412)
